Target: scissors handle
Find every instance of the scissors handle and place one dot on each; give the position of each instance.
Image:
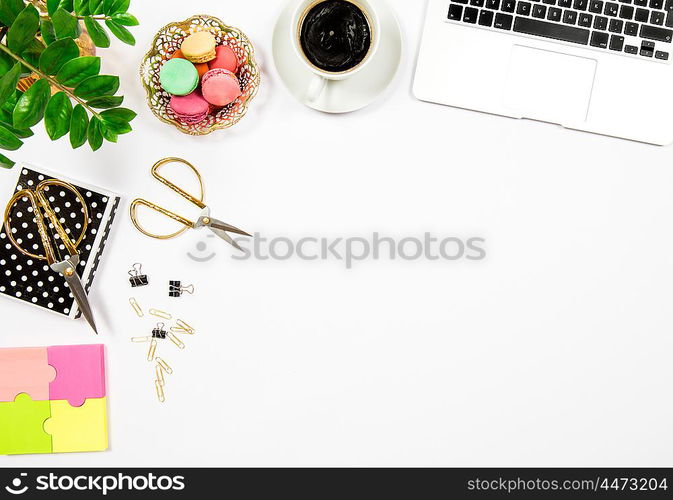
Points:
(49, 211)
(49, 254)
(134, 218)
(192, 199)
(39, 202)
(53, 218)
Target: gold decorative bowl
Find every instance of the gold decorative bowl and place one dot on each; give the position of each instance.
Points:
(168, 40)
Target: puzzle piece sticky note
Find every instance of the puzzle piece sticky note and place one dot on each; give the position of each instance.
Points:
(52, 399)
(80, 373)
(78, 428)
(25, 370)
(21, 426)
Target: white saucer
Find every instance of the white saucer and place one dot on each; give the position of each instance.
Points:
(350, 94)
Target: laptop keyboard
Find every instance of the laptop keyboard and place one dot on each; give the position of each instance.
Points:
(643, 28)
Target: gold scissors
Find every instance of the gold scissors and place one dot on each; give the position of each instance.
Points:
(218, 227)
(67, 266)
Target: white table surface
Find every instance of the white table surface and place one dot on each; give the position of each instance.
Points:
(553, 351)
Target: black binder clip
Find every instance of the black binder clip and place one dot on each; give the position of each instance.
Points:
(175, 289)
(159, 332)
(137, 278)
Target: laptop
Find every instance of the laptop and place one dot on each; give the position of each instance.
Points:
(598, 66)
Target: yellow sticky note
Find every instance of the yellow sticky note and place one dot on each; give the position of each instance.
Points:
(78, 428)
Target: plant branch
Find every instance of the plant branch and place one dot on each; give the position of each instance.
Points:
(51, 80)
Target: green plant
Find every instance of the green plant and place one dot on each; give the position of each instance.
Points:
(43, 45)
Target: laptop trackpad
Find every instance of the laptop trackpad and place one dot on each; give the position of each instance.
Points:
(549, 86)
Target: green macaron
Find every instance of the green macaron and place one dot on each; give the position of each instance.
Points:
(179, 77)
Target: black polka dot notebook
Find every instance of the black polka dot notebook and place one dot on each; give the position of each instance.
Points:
(30, 279)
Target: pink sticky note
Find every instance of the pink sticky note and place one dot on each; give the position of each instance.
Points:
(25, 370)
(80, 372)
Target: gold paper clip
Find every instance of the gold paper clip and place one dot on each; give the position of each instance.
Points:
(178, 329)
(139, 340)
(160, 391)
(176, 340)
(160, 314)
(160, 374)
(183, 328)
(153, 349)
(164, 365)
(136, 307)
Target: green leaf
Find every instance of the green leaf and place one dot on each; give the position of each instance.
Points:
(57, 54)
(106, 102)
(107, 7)
(29, 109)
(31, 57)
(9, 81)
(9, 105)
(77, 70)
(95, 134)
(96, 6)
(79, 123)
(8, 140)
(119, 115)
(81, 7)
(23, 29)
(52, 5)
(119, 6)
(126, 19)
(21, 133)
(120, 32)
(118, 120)
(65, 24)
(57, 116)
(9, 9)
(6, 162)
(97, 86)
(33, 53)
(98, 35)
(118, 128)
(6, 121)
(6, 63)
(108, 133)
(47, 31)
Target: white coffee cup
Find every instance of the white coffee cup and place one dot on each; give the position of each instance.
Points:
(322, 77)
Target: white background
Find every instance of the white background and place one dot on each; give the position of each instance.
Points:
(554, 351)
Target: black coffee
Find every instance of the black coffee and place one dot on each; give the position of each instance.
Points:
(335, 36)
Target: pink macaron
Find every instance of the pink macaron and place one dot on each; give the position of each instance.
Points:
(191, 108)
(225, 59)
(220, 87)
